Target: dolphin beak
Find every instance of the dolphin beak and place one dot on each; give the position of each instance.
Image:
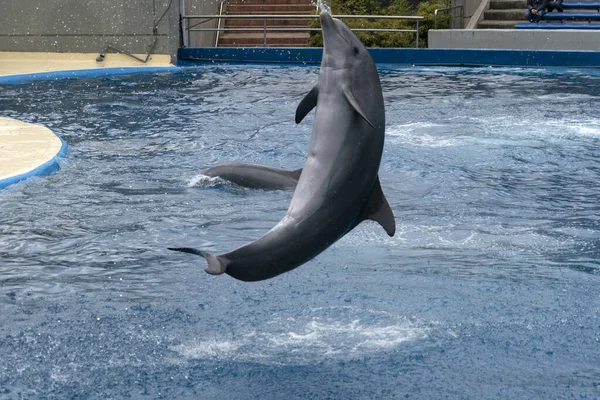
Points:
(330, 29)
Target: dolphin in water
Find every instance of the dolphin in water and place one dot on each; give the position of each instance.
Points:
(339, 185)
(255, 176)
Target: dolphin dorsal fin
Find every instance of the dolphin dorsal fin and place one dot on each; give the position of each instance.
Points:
(378, 209)
(350, 98)
(307, 104)
(296, 173)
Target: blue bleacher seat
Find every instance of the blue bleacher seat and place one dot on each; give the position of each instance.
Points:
(589, 16)
(589, 5)
(558, 16)
(544, 25)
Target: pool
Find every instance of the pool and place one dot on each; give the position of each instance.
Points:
(490, 288)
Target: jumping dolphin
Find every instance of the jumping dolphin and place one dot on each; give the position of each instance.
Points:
(339, 186)
(255, 176)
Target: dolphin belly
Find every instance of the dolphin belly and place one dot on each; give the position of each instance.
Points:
(288, 245)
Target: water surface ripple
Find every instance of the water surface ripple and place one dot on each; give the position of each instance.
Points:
(490, 288)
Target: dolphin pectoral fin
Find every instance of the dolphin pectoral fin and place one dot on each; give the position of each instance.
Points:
(307, 104)
(352, 100)
(215, 265)
(378, 209)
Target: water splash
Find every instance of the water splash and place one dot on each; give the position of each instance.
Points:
(321, 5)
(206, 181)
(335, 332)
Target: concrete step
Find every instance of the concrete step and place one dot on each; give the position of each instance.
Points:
(287, 39)
(262, 7)
(498, 24)
(238, 9)
(504, 15)
(259, 23)
(260, 45)
(508, 5)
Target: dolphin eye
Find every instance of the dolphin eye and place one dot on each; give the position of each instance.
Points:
(355, 50)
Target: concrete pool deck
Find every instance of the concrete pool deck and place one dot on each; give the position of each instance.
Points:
(18, 63)
(28, 149)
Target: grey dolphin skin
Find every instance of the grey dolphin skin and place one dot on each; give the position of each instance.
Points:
(339, 185)
(255, 176)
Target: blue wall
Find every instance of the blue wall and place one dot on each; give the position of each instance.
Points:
(432, 57)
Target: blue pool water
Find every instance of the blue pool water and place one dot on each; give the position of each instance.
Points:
(489, 290)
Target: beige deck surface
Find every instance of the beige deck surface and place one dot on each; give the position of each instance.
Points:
(12, 63)
(24, 147)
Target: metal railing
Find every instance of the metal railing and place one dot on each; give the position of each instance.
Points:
(265, 29)
(222, 9)
(461, 15)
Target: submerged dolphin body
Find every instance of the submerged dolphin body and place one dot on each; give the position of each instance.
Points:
(339, 186)
(255, 176)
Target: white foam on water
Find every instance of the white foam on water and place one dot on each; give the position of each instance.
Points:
(421, 134)
(57, 374)
(412, 127)
(206, 181)
(495, 129)
(388, 336)
(590, 129)
(486, 235)
(513, 128)
(206, 348)
(573, 126)
(495, 239)
(338, 332)
(566, 97)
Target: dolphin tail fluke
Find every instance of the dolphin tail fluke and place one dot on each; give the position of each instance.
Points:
(215, 265)
(378, 209)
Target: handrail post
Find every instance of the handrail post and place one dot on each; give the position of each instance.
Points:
(186, 34)
(265, 32)
(219, 23)
(462, 14)
(417, 35)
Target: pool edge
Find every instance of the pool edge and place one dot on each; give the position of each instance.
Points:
(84, 73)
(44, 169)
